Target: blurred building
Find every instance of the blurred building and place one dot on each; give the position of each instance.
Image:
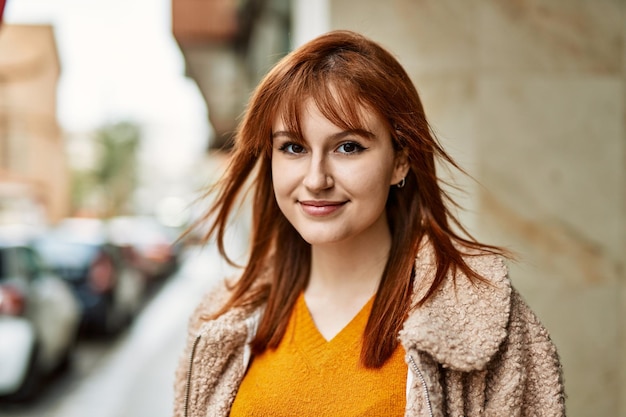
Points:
(33, 173)
(228, 45)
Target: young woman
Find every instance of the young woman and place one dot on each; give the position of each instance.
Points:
(358, 297)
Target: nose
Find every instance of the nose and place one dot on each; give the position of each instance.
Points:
(318, 176)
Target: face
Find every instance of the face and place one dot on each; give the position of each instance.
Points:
(332, 184)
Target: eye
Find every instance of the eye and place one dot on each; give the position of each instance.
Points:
(350, 148)
(291, 148)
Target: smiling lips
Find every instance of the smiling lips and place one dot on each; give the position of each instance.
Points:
(321, 208)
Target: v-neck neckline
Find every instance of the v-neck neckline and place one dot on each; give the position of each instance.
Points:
(350, 333)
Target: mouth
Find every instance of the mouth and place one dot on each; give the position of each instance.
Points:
(321, 207)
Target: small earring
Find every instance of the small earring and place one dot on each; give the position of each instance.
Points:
(402, 183)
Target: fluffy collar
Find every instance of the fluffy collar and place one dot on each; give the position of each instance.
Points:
(463, 324)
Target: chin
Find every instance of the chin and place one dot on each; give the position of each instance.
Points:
(318, 239)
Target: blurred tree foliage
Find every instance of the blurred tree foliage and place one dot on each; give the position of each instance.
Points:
(107, 189)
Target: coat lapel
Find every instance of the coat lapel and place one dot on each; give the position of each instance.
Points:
(463, 324)
(217, 365)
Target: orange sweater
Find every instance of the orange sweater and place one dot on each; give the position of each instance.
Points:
(309, 376)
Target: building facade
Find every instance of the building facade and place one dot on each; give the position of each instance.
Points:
(228, 45)
(34, 180)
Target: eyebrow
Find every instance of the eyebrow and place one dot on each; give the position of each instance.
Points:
(335, 136)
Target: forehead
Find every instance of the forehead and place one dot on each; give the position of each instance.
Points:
(355, 116)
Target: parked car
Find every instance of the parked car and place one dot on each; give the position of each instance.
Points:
(152, 247)
(110, 291)
(39, 320)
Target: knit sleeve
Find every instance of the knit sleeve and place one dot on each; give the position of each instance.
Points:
(525, 377)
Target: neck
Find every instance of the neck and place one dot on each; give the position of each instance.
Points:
(351, 268)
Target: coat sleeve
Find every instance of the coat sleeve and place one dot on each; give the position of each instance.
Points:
(525, 377)
(209, 304)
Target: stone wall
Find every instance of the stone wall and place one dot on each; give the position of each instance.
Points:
(530, 98)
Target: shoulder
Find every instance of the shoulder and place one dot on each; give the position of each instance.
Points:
(465, 321)
(210, 303)
(211, 308)
(486, 326)
(491, 267)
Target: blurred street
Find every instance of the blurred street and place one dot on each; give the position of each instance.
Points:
(132, 374)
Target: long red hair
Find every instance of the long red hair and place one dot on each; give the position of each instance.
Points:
(343, 72)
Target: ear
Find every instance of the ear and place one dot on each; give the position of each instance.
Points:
(401, 167)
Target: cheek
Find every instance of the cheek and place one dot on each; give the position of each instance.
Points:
(369, 178)
(281, 180)
(276, 172)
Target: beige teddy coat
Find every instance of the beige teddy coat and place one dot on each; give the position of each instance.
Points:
(471, 350)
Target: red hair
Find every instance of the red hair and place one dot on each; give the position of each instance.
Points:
(343, 72)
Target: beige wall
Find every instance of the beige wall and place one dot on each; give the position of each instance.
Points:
(32, 150)
(530, 97)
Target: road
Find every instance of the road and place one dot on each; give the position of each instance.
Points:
(132, 376)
